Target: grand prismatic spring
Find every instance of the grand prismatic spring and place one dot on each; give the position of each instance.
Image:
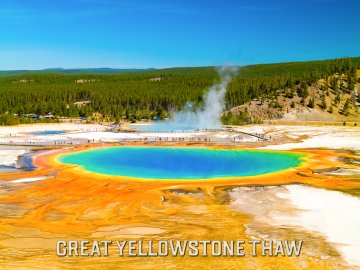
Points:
(181, 163)
(161, 191)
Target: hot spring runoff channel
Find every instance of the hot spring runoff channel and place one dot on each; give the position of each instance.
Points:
(181, 163)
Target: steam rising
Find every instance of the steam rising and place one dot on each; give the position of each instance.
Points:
(208, 115)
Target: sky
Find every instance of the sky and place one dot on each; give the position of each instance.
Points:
(38, 34)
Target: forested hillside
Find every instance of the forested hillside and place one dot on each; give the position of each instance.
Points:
(154, 93)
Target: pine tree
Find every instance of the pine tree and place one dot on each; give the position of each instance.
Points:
(323, 102)
(337, 99)
(346, 107)
(311, 103)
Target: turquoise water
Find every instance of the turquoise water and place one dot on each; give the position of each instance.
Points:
(180, 163)
(48, 132)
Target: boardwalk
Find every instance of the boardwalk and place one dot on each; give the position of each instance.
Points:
(221, 136)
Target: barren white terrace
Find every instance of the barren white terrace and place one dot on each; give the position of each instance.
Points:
(333, 214)
(333, 137)
(9, 156)
(80, 134)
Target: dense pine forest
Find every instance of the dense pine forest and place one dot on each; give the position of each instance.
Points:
(154, 94)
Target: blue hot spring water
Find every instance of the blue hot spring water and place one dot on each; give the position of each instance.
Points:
(47, 132)
(181, 163)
